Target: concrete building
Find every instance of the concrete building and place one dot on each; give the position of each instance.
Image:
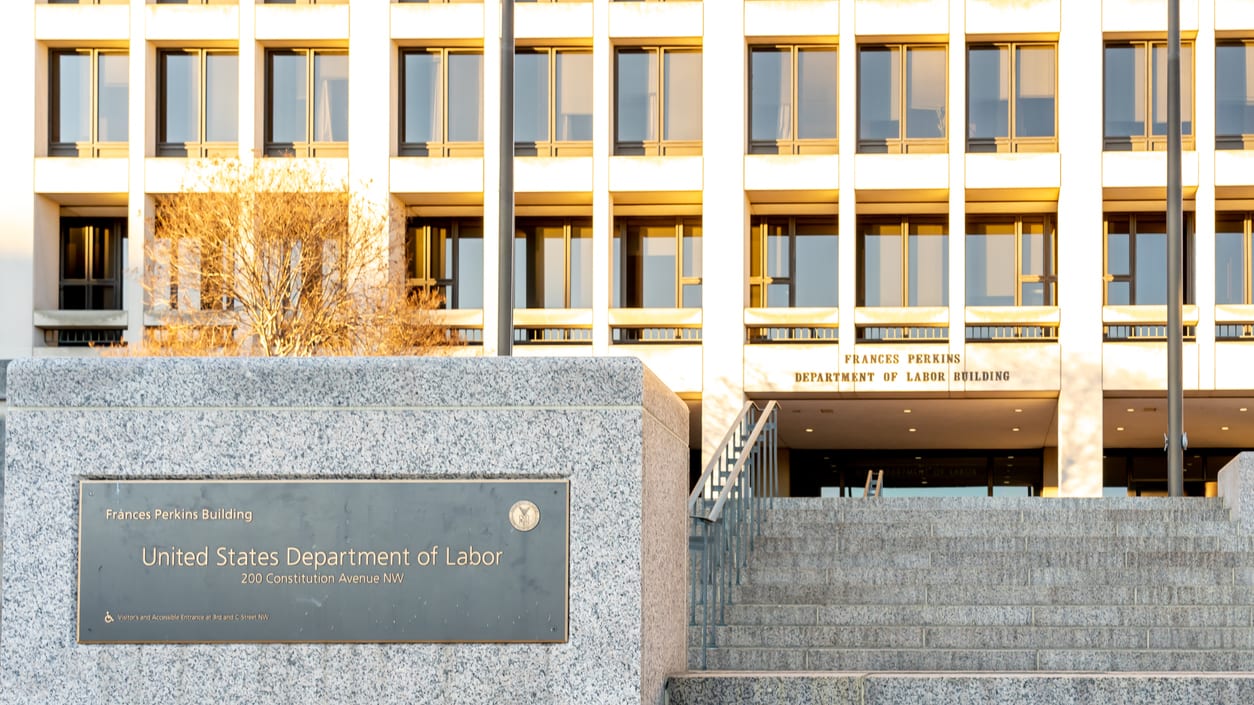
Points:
(762, 199)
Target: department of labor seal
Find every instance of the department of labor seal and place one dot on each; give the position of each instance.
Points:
(524, 515)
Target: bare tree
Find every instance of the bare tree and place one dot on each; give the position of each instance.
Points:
(280, 259)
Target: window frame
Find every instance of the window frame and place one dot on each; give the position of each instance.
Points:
(618, 246)
(1247, 256)
(444, 147)
(568, 225)
(1244, 140)
(1050, 280)
(795, 144)
(552, 147)
(309, 147)
(88, 282)
(1188, 247)
(1149, 141)
(903, 222)
(760, 231)
(200, 147)
(660, 146)
(1012, 142)
(94, 147)
(424, 227)
(903, 144)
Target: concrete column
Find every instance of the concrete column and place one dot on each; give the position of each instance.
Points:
(1080, 241)
(725, 221)
(847, 216)
(370, 87)
(141, 134)
(957, 177)
(602, 148)
(1204, 200)
(251, 83)
(17, 181)
(491, 170)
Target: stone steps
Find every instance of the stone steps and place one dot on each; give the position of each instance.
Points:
(987, 660)
(863, 688)
(992, 585)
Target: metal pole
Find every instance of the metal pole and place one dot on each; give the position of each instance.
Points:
(505, 264)
(1175, 258)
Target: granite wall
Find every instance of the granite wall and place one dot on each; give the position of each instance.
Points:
(608, 425)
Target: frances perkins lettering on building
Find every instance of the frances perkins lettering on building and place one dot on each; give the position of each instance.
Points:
(891, 368)
(323, 561)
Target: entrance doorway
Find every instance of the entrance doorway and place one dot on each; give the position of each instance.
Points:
(918, 473)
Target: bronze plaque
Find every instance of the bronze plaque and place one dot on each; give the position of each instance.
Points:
(187, 561)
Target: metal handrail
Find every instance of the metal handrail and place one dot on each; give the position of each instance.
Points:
(720, 453)
(725, 507)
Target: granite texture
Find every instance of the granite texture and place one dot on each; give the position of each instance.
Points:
(608, 425)
(1236, 488)
(869, 688)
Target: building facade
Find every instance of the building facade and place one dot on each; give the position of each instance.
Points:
(932, 229)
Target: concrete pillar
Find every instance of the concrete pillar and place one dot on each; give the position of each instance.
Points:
(725, 222)
(141, 133)
(1080, 242)
(602, 148)
(17, 183)
(491, 172)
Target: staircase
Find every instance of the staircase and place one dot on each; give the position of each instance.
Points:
(844, 598)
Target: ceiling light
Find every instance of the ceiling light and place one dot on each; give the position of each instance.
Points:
(918, 457)
(905, 411)
(1118, 428)
(1016, 428)
(1018, 411)
(1223, 428)
(809, 430)
(1010, 457)
(1130, 410)
(913, 430)
(1244, 409)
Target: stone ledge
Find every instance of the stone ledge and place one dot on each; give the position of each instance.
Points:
(874, 688)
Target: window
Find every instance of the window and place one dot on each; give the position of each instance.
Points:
(657, 263)
(552, 102)
(902, 105)
(88, 94)
(197, 103)
(792, 100)
(91, 264)
(1010, 261)
(1233, 259)
(295, 125)
(1136, 259)
(792, 261)
(553, 263)
(650, 122)
(441, 103)
(1010, 98)
(1234, 95)
(903, 261)
(447, 254)
(1136, 95)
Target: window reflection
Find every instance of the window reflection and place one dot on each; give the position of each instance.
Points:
(793, 262)
(781, 118)
(657, 263)
(891, 119)
(1010, 261)
(1136, 259)
(441, 103)
(1136, 95)
(903, 262)
(649, 121)
(88, 101)
(446, 254)
(553, 263)
(1234, 94)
